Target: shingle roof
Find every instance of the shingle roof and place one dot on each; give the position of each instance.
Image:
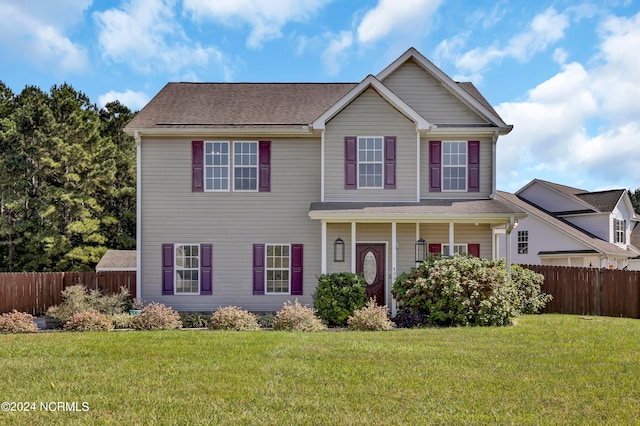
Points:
(475, 93)
(605, 201)
(566, 227)
(117, 260)
(229, 104)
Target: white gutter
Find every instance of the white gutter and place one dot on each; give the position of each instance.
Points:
(136, 136)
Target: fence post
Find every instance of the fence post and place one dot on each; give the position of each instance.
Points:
(601, 287)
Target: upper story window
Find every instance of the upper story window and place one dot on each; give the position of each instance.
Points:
(216, 160)
(620, 231)
(454, 166)
(187, 268)
(370, 174)
(523, 242)
(245, 166)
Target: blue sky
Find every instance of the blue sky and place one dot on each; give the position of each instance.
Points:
(565, 73)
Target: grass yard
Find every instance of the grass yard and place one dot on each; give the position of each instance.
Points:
(548, 369)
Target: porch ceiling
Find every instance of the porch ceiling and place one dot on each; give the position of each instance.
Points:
(460, 211)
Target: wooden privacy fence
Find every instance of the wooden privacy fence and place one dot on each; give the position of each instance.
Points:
(591, 291)
(35, 292)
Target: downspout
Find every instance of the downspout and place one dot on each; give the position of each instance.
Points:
(322, 166)
(510, 227)
(494, 165)
(136, 136)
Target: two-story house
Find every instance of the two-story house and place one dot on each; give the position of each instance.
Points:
(572, 227)
(248, 191)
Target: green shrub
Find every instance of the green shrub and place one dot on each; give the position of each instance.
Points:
(17, 322)
(296, 317)
(531, 298)
(233, 318)
(194, 320)
(90, 320)
(121, 321)
(156, 316)
(460, 290)
(265, 320)
(370, 318)
(77, 299)
(338, 296)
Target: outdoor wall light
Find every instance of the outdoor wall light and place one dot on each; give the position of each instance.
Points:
(421, 250)
(338, 250)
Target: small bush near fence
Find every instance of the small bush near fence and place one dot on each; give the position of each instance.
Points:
(78, 299)
(17, 322)
(338, 296)
(90, 320)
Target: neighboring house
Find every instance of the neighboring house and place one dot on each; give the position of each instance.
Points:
(248, 191)
(117, 260)
(572, 227)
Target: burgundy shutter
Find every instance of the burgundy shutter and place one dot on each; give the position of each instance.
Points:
(296, 269)
(350, 162)
(435, 165)
(474, 249)
(168, 272)
(389, 162)
(474, 166)
(435, 248)
(264, 161)
(206, 269)
(197, 166)
(258, 268)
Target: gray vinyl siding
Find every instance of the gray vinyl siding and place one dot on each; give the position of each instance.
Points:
(428, 97)
(486, 168)
(463, 233)
(231, 221)
(370, 115)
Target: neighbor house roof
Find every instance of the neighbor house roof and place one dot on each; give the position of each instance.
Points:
(562, 225)
(117, 260)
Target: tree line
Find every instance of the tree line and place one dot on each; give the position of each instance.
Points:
(67, 180)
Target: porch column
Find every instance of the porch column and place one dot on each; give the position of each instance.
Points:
(353, 247)
(451, 238)
(394, 254)
(323, 248)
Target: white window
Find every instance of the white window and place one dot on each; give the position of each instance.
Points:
(457, 249)
(245, 166)
(216, 161)
(187, 268)
(620, 231)
(523, 242)
(454, 166)
(370, 163)
(277, 276)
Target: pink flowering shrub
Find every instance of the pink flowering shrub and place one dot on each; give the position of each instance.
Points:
(370, 318)
(296, 317)
(156, 316)
(17, 322)
(233, 318)
(90, 320)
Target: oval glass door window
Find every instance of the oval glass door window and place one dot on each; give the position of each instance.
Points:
(370, 268)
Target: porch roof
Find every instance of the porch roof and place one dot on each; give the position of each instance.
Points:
(442, 210)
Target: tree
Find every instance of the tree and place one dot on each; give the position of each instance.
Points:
(635, 199)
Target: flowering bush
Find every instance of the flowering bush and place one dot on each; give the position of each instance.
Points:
(531, 298)
(156, 316)
(233, 318)
(460, 290)
(76, 299)
(17, 322)
(338, 296)
(370, 318)
(90, 320)
(121, 321)
(296, 317)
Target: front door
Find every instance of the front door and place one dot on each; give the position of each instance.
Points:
(370, 263)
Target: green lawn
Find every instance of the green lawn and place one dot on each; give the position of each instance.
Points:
(547, 369)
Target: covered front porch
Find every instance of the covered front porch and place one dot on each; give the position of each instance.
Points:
(382, 240)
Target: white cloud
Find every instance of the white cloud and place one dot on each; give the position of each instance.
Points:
(36, 32)
(335, 54)
(409, 17)
(146, 35)
(134, 100)
(266, 18)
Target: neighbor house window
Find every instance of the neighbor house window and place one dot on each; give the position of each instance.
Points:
(620, 231)
(277, 269)
(454, 166)
(245, 166)
(216, 160)
(187, 268)
(370, 162)
(523, 242)
(457, 249)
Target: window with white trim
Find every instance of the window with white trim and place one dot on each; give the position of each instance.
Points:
(216, 164)
(620, 231)
(277, 276)
(245, 166)
(457, 249)
(454, 165)
(370, 162)
(187, 268)
(523, 242)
